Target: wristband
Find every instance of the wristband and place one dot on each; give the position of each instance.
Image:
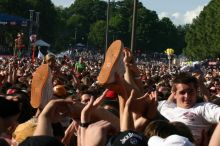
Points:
(84, 125)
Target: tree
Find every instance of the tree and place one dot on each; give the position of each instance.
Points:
(48, 16)
(167, 35)
(118, 27)
(147, 22)
(86, 19)
(97, 34)
(202, 38)
(17, 8)
(78, 27)
(92, 10)
(48, 19)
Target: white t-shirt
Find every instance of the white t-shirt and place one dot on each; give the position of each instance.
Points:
(197, 118)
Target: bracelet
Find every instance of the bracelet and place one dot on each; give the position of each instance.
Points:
(84, 125)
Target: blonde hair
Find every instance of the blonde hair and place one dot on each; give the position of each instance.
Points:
(48, 57)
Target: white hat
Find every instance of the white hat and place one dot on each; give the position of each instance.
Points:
(173, 140)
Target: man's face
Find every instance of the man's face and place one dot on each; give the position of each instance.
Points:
(85, 98)
(185, 95)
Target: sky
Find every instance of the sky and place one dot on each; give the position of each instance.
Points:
(179, 11)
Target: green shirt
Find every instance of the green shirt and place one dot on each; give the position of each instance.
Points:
(80, 67)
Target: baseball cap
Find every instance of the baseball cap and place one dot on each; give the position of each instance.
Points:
(173, 140)
(128, 138)
(110, 94)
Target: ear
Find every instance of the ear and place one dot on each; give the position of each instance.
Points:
(174, 94)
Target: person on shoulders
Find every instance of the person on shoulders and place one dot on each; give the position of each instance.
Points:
(197, 116)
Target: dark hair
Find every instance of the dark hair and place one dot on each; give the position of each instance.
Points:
(19, 86)
(184, 78)
(9, 108)
(183, 130)
(159, 128)
(91, 91)
(27, 111)
(5, 87)
(113, 103)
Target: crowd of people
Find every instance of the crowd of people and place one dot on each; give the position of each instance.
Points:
(112, 100)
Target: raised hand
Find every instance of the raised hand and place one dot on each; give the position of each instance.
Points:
(90, 107)
(99, 137)
(70, 131)
(54, 111)
(127, 121)
(152, 105)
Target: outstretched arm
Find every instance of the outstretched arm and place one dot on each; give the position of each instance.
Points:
(87, 135)
(54, 111)
(126, 118)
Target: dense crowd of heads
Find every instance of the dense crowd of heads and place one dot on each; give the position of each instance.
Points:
(75, 78)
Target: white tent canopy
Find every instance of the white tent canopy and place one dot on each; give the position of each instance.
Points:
(80, 45)
(65, 53)
(42, 43)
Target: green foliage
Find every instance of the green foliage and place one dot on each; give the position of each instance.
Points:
(85, 22)
(14, 7)
(48, 19)
(48, 29)
(203, 35)
(97, 34)
(77, 25)
(92, 10)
